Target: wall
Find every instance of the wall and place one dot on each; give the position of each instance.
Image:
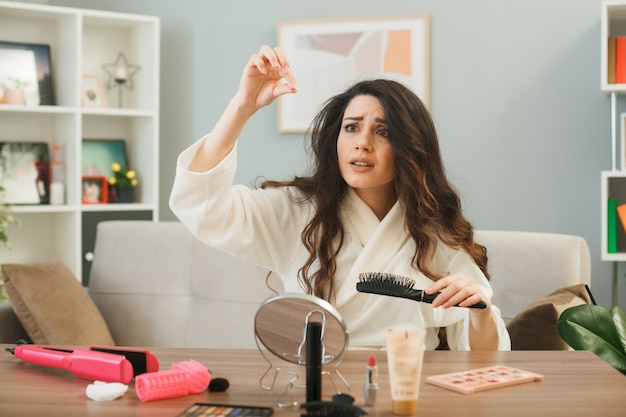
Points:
(515, 94)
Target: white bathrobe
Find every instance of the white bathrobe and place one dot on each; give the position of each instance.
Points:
(264, 227)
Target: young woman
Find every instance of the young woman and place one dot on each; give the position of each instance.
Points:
(376, 200)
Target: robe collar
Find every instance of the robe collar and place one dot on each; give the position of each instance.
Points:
(380, 239)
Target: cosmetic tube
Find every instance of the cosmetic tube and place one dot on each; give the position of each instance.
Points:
(405, 354)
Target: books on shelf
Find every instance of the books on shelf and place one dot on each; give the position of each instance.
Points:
(616, 60)
(611, 226)
(616, 223)
(621, 214)
(611, 60)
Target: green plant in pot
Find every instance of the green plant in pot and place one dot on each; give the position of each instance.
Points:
(594, 328)
(123, 182)
(6, 219)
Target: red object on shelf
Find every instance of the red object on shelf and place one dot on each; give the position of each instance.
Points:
(620, 60)
(95, 189)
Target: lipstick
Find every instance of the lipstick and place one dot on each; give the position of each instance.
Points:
(370, 390)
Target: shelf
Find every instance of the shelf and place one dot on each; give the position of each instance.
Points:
(613, 23)
(82, 41)
(116, 207)
(117, 112)
(43, 208)
(613, 187)
(9, 108)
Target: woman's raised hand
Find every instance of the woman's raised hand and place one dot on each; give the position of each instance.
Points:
(266, 77)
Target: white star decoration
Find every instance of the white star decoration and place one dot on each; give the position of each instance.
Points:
(120, 73)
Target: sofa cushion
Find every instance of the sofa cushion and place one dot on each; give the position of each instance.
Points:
(535, 327)
(525, 266)
(53, 306)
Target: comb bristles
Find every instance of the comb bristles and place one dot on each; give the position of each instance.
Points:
(386, 280)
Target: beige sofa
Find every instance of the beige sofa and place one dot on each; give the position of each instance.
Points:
(156, 285)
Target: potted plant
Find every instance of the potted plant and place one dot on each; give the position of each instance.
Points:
(123, 182)
(6, 219)
(13, 91)
(594, 328)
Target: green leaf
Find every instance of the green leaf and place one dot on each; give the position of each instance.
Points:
(592, 327)
(619, 318)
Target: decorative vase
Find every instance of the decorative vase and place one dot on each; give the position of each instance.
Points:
(125, 195)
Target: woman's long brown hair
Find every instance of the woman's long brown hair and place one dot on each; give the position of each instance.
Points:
(433, 208)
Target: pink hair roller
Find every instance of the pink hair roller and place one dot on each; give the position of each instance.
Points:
(184, 378)
(199, 376)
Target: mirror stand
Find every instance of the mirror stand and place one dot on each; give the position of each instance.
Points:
(281, 326)
(294, 392)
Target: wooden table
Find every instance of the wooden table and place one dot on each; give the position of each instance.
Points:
(576, 384)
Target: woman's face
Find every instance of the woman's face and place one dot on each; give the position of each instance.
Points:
(366, 158)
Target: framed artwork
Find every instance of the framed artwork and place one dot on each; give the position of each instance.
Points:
(26, 68)
(327, 56)
(95, 189)
(24, 172)
(92, 92)
(98, 155)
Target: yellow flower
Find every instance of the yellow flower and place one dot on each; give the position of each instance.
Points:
(122, 177)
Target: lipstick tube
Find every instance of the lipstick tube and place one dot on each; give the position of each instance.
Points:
(370, 389)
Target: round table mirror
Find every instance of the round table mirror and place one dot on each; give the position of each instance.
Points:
(281, 321)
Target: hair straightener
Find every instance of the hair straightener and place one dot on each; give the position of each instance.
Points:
(397, 286)
(114, 364)
(108, 364)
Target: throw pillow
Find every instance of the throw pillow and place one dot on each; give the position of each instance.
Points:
(535, 327)
(53, 306)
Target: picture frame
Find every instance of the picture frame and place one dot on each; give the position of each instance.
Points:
(92, 92)
(328, 55)
(95, 189)
(27, 67)
(24, 172)
(97, 155)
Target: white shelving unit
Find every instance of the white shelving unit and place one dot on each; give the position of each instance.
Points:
(613, 182)
(81, 41)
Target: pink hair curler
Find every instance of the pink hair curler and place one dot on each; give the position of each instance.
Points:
(189, 377)
(199, 378)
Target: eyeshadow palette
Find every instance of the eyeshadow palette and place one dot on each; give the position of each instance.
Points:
(482, 379)
(223, 410)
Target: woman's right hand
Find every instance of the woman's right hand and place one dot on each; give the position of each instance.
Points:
(262, 79)
(266, 77)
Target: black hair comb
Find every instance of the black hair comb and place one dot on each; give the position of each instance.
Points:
(397, 286)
